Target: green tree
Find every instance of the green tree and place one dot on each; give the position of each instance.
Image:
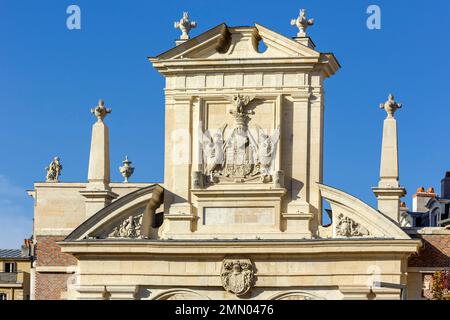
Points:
(438, 287)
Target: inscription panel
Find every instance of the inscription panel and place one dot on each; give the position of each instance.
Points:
(238, 216)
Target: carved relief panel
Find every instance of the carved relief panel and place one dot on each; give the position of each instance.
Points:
(238, 140)
(347, 227)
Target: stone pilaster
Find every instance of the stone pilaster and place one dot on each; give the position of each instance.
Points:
(299, 164)
(177, 173)
(85, 292)
(121, 292)
(298, 216)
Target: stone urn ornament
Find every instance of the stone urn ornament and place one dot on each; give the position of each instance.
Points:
(185, 25)
(302, 23)
(100, 111)
(390, 106)
(126, 170)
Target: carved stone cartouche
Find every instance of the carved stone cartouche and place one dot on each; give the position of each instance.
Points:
(237, 276)
(129, 228)
(239, 157)
(346, 227)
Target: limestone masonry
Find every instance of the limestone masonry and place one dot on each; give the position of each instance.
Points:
(239, 214)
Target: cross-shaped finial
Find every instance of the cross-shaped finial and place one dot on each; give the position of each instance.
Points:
(302, 23)
(100, 111)
(390, 106)
(185, 26)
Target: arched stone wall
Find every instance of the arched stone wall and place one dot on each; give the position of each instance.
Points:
(295, 295)
(179, 294)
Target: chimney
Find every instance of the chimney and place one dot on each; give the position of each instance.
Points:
(25, 249)
(421, 198)
(405, 218)
(445, 186)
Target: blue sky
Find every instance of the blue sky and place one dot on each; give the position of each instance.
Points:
(50, 77)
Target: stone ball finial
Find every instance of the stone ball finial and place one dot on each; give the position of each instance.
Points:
(390, 106)
(100, 111)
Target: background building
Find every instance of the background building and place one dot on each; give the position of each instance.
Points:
(15, 266)
(428, 208)
(428, 221)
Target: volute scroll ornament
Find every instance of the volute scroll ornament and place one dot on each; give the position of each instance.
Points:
(237, 276)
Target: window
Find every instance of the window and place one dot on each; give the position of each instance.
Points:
(10, 267)
(446, 212)
(2, 296)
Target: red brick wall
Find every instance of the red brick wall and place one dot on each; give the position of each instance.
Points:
(435, 252)
(434, 255)
(49, 286)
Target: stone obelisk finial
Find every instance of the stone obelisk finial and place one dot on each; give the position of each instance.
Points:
(389, 191)
(98, 192)
(185, 26)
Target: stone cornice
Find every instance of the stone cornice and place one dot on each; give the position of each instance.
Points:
(207, 247)
(239, 192)
(194, 66)
(389, 192)
(75, 185)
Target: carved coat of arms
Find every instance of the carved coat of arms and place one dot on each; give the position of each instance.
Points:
(240, 156)
(237, 276)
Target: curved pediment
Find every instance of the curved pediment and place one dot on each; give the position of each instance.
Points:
(131, 216)
(352, 218)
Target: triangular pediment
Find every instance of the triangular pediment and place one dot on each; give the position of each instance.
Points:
(230, 43)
